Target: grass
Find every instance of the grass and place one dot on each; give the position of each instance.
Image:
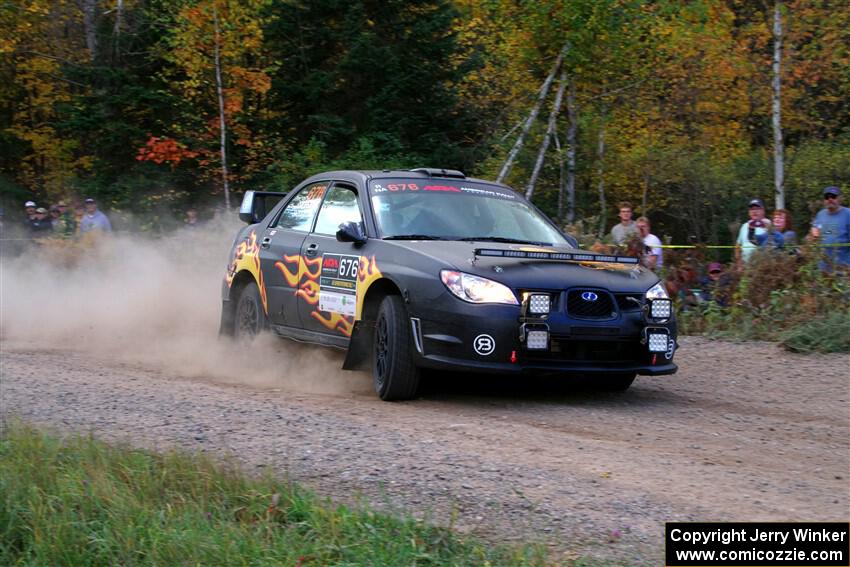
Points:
(76, 501)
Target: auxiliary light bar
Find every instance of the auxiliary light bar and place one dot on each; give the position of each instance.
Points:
(569, 256)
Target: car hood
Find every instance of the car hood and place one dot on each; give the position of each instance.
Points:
(520, 273)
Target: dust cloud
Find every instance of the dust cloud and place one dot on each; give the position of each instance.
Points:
(154, 302)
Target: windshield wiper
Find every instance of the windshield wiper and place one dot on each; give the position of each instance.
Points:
(413, 237)
(503, 239)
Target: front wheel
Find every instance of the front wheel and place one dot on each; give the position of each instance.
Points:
(394, 374)
(250, 318)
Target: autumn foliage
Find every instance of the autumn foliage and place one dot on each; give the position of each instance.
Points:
(669, 102)
(164, 150)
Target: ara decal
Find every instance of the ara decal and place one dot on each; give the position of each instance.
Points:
(335, 284)
(246, 256)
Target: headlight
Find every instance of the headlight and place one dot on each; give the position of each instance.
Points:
(658, 291)
(477, 290)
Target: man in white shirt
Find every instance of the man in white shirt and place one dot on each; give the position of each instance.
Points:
(653, 258)
(753, 233)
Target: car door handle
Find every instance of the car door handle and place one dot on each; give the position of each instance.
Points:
(266, 242)
(312, 249)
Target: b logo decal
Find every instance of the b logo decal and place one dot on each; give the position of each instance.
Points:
(484, 345)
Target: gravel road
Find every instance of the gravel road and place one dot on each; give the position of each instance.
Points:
(743, 432)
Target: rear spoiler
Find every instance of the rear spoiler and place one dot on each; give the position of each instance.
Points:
(562, 256)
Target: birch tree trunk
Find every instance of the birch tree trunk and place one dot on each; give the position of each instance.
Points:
(600, 171)
(541, 97)
(89, 8)
(221, 119)
(572, 116)
(119, 12)
(562, 178)
(778, 147)
(550, 129)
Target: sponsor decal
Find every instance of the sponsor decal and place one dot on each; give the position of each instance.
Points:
(448, 188)
(338, 284)
(484, 345)
(395, 187)
(334, 283)
(488, 193)
(246, 256)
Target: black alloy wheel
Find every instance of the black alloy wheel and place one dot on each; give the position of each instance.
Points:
(250, 317)
(395, 375)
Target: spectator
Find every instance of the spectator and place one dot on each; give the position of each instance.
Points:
(29, 210)
(191, 220)
(753, 233)
(832, 227)
(621, 231)
(653, 255)
(782, 224)
(63, 222)
(716, 284)
(40, 226)
(94, 220)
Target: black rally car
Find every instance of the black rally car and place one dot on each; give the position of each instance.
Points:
(430, 269)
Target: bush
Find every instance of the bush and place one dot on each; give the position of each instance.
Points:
(828, 333)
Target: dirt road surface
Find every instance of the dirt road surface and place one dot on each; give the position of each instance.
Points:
(743, 432)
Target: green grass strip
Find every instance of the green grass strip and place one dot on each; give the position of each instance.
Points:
(76, 501)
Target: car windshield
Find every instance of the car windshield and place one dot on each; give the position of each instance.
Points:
(449, 209)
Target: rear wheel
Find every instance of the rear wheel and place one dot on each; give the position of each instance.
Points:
(250, 319)
(617, 382)
(394, 374)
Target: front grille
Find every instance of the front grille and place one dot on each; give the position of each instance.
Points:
(565, 349)
(582, 305)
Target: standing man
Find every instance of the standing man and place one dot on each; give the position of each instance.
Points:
(653, 257)
(752, 234)
(94, 220)
(626, 227)
(40, 225)
(29, 211)
(832, 226)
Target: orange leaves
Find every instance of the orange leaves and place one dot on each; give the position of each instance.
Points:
(164, 150)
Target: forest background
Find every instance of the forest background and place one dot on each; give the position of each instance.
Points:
(151, 106)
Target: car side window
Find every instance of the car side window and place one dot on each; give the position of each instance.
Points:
(340, 206)
(301, 210)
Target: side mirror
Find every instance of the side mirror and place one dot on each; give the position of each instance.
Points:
(247, 208)
(256, 205)
(351, 232)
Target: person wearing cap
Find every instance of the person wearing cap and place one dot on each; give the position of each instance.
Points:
(715, 284)
(29, 210)
(40, 225)
(64, 225)
(94, 220)
(753, 233)
(831, 227)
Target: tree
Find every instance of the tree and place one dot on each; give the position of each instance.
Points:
(212, 46)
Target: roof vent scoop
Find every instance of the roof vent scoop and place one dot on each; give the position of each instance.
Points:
(434, 172)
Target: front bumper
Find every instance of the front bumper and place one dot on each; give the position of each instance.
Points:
(450, 334)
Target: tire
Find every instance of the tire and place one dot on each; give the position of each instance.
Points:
(617, 382)
(394, 375)
(250, 319)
